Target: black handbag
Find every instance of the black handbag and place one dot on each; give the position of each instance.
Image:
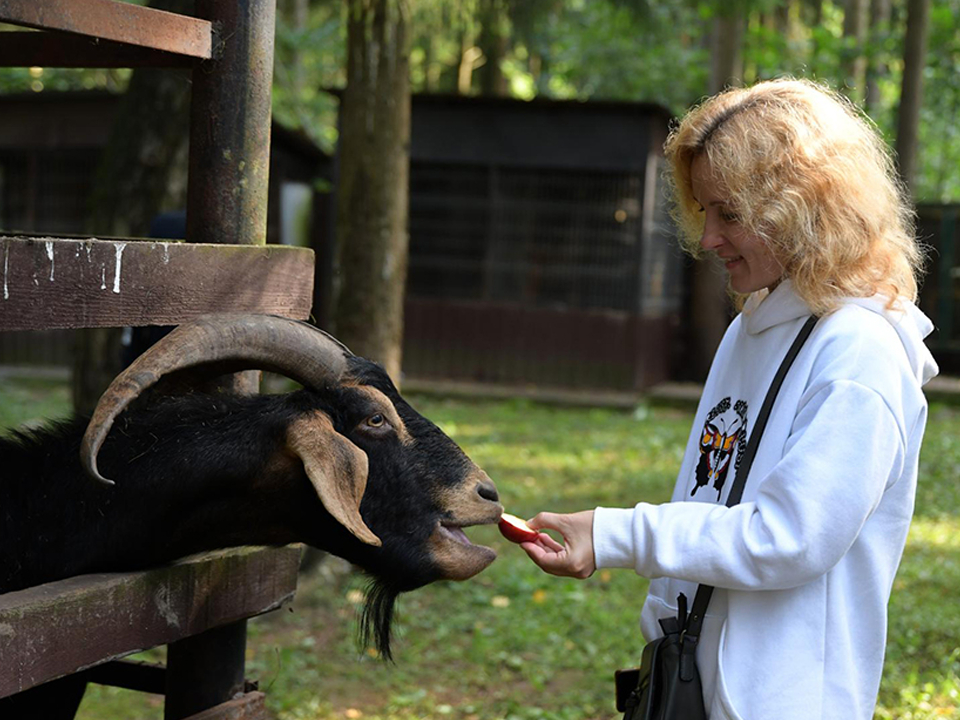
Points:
(667, 685)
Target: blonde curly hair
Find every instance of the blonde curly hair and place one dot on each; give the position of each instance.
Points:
(808, 174)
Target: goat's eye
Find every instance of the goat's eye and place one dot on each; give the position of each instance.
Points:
(375, 421)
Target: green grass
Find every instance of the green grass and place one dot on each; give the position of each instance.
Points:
(29, 401)
(514, 643)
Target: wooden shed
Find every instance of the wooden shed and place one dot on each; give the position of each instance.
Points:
(50, 145)
(540, 249)
(938, 227)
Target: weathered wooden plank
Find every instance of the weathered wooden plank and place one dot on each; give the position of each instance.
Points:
(117, 21)
(56, 629)
(250, 706)
(43, 49)
(65, 283)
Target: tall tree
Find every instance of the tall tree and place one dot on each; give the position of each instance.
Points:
(911, 92)
(855, 60)
(876, 67)
(709, 303)
(726, 48)
(142, 172)
(493, 42)
(372, 196)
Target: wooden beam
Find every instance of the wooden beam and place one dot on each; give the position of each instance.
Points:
(73, 283)
(116, 21)
(59, 50)
(56, 629)
(246, 707)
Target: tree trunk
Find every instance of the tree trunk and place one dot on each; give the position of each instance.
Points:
(855, 61)
(300, 15)
(876, 68)
(911, 92)
(142, 172)
(372, 192)
(726, 49)
(492, 42)
(709, 301)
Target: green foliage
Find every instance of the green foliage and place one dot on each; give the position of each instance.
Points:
(609, 51)
(38, 79)
(604, 49)
(938, 177)
(309, 61)
(641, 50)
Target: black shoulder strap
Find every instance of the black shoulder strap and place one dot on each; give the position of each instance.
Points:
(704, 592)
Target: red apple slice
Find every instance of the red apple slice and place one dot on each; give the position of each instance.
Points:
(516, 530)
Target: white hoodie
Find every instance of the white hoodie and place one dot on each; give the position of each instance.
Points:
(804, 565)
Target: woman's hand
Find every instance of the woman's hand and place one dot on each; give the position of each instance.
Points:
(575, 558)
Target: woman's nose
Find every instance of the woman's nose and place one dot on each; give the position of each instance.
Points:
(711, 239)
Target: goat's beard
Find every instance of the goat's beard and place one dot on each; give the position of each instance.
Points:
(376, 620)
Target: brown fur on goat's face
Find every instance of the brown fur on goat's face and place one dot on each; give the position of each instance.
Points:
(422, 488)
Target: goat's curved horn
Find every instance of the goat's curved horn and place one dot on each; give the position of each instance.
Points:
(241, 342)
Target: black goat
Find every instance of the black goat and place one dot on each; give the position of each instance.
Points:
(200, 471)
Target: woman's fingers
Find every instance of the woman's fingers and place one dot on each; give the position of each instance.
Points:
(547, 542)
(575, 557)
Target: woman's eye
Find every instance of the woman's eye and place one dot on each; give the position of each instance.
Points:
(375, 421)
(729, 217)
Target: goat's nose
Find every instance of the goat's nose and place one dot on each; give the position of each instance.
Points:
(488, 491)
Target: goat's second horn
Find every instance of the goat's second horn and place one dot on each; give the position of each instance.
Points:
(292, 348)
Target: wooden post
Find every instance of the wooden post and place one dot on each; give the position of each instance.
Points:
(205, 670)
(230, 126)
(227, 194)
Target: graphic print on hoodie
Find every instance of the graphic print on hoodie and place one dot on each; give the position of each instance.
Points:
(724, 436)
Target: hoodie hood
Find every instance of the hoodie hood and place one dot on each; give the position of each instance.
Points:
(912, 327)
(764, 310)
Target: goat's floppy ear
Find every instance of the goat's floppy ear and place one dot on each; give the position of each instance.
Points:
(337, 469)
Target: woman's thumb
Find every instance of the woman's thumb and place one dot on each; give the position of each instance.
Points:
(545, 521)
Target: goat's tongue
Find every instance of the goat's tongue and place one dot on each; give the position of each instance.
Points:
(458, 534)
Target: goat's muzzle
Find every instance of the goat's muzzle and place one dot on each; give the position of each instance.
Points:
(473, 502)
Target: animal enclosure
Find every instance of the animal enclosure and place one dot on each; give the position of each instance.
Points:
(55, 630)
(540, 246)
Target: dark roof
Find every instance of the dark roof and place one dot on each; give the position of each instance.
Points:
(599, 106)
(84, 121)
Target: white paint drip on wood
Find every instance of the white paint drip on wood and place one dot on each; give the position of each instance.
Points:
(103, 277)
(166, 253)
(49, 244)
(162, 600)
(116, 272)
(6, 264)
(388, 267)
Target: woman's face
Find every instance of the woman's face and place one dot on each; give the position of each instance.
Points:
(748, 259)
